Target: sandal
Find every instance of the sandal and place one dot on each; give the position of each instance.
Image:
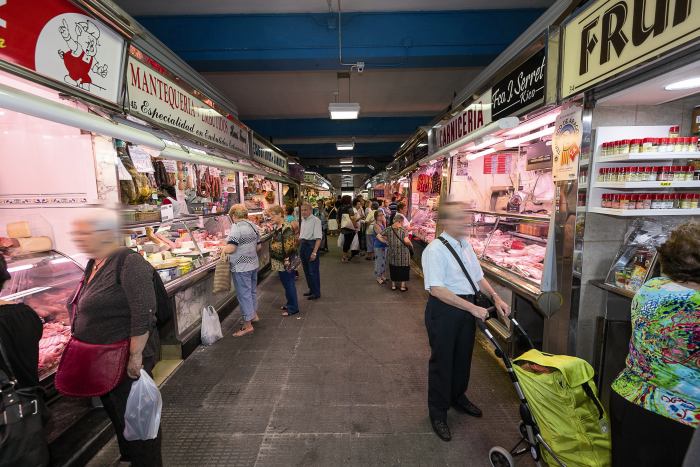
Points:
(404, 289)
(286, 313)
(242, 332)
(283, 308)
(381, 282)
(393, 287)
(256, 319)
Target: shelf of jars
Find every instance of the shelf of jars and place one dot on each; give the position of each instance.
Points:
(648, 156)
(645, 212)
(654, 184)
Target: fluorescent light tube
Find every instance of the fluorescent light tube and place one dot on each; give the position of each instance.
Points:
(477, 155)
(514, 143)
(529, 126)
(685, 84)
(343, 111)
(486, 144)
(345, 146)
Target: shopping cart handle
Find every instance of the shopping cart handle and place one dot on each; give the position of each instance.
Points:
(493, 313)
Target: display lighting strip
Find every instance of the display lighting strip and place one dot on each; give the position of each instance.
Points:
(477, 155)
(486, 144)
(529, 126)
(514, 143)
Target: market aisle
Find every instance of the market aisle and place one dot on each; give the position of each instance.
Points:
(344, 382)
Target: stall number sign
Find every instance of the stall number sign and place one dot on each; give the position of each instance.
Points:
(141, 159)
(155, 98)
(474, 117)
(170, 166)
(522, 88)
(566, 144)
(609, 37)
(58, 40)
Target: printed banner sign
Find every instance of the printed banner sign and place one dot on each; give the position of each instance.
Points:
(155, 98)
(58, 40)
(607, 38)
(521, 88)
(566, 144)
(267, 156)
(474, 117)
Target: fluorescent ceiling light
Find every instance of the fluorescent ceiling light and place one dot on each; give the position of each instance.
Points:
(422, 144)
(346, 170)
(343, 111)
(370, 167)
(345, 146)
(513, 143)
(488, 143)
(529, 126)
(477, 155)
(346, 160)
(685, 84)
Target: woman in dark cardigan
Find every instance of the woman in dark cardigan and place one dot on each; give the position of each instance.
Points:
(109, 312)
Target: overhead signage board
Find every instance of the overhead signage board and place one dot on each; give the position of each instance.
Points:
(296, 171)
(309, 178)
(474, 117)
(417, 152)
(269, 157)
(155, 98)
(566, 144)
(609, 37)
(58, 40)
(522, 88)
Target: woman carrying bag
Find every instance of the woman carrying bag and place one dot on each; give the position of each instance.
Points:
(399, 254)
(284, 258)
(108, 314)
(348, 227)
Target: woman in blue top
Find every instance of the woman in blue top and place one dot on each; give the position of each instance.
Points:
(380, 246)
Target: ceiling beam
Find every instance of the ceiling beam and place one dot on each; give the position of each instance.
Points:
(282, 42)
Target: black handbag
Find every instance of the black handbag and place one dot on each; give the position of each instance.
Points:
(22, 440)
(410, 249)
(480, 299)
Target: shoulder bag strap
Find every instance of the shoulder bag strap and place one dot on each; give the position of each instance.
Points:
(400, 240)
(459, 261)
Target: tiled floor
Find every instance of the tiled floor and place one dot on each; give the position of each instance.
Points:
(343, 383)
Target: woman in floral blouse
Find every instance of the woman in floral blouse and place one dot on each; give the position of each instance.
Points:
(655, 402)
(283, 247)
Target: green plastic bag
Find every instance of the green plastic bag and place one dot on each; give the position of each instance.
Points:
(566, 408)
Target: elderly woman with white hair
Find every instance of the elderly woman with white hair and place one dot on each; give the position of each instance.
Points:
(399, 254)
(108, 312)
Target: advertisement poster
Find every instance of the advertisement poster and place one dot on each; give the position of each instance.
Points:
(566, 144)
(462, 170)
(155, 98)
(56, 39)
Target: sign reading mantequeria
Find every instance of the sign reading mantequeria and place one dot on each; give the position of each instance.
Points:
(474, 117)
(57, 40)
(609, 37)
(263, 154)
(157, 99)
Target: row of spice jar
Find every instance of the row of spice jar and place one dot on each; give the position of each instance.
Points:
(668, 173)
(649, 145)
(650, 201)
(583, 177)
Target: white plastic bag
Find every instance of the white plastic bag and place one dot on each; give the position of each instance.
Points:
(355, 243)
(341, 240)
(211, 327)
(143, 407)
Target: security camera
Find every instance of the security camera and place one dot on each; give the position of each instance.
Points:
(360, 67)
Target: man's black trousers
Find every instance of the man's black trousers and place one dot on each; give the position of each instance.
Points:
(451, 334)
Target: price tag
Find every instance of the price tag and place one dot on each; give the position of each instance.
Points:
(154, 195)
(166, 213)
(123, 173)
(170, 166)
(665, 184)
(163, 227)
(141, 159)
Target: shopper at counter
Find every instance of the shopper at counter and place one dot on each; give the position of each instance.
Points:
(109, 312)
(399, 254)
(655, 402)
(380, 246)
(242, 246)
(450, 316)
(310, 238)
(283, 247)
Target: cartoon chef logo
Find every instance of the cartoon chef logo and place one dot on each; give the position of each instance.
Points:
(80, 59)
(88, 55)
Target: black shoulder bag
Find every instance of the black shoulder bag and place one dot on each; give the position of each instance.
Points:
(480, 299)
(410, 249)
(22, 440)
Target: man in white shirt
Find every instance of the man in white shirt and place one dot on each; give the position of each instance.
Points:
(450, 316)
(310, 235)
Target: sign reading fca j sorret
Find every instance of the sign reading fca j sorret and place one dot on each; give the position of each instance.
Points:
(522, 88)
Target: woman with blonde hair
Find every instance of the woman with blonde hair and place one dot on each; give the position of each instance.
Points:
(242, 246)
(283, 250)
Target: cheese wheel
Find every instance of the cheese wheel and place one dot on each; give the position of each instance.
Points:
(18, 230)
(34, 244)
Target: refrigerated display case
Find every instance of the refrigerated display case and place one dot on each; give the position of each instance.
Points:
(424, 220)
(44, 281)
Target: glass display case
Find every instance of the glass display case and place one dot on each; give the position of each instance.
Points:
(44, 281)
(424, 220)
(511, 243)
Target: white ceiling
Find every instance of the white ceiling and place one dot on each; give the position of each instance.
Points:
(652, 92)
(206, 7)
(381, 93)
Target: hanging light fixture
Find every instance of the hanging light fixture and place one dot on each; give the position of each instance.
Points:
(343, 111)
(537, 123)
(514, 143)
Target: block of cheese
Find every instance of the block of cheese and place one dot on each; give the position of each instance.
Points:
(150, 247)
(18, 230)
(34, 244)
(156, 257)
(187, 245)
